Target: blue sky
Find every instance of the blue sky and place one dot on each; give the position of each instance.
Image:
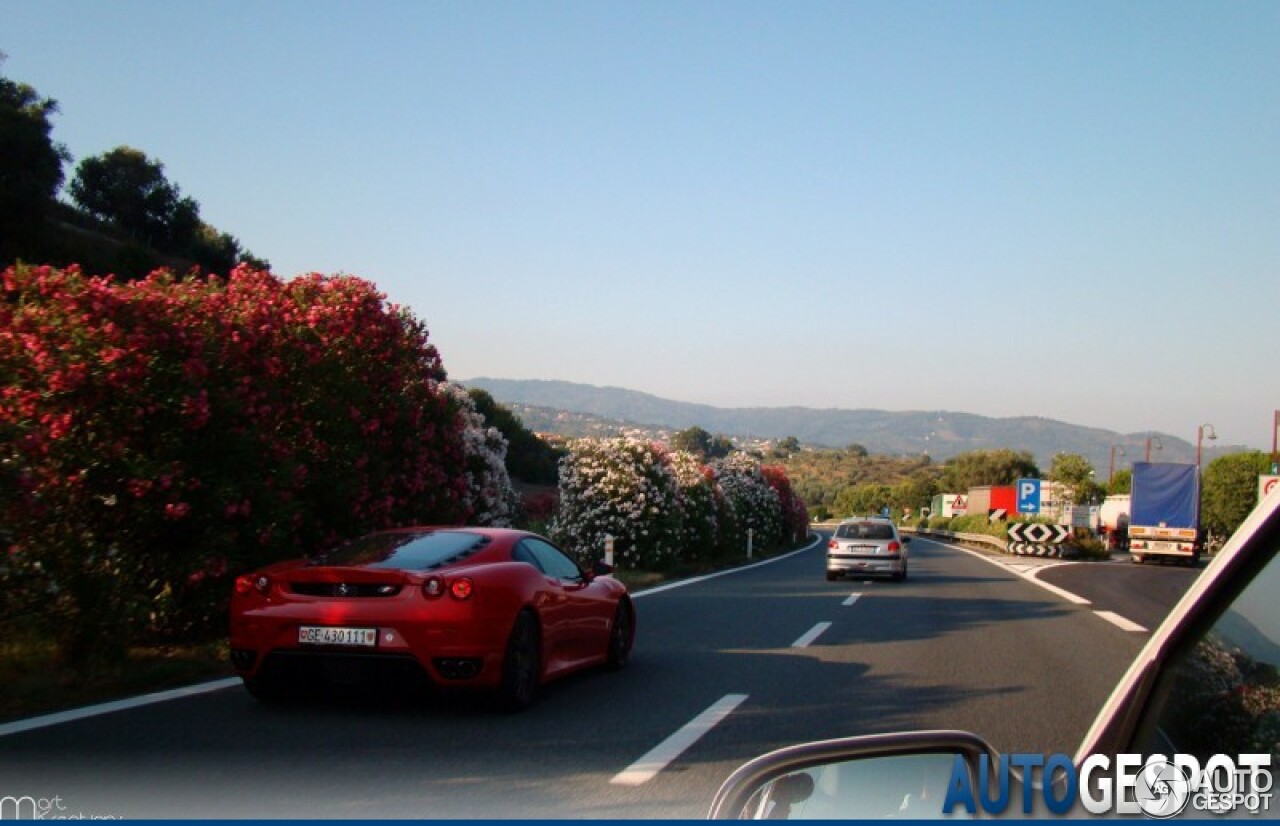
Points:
(1068, 210)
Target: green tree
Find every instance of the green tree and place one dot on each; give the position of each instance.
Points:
(126, 188)
(529, 458)
(987, 467)
(1230, 490)
(1074, 473)
(915, 492)
(1121, 481)
(30, 167)
(863, 500)
(702, 444)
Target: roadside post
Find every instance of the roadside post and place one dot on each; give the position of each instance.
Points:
(750, 537)
(608, 550)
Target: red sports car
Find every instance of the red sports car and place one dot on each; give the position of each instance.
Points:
(488, 608)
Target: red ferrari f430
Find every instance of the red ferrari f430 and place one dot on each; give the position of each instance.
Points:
(484, 608)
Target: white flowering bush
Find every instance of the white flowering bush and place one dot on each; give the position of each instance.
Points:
(698, 506)
(752, 500)
(490, 498)
(624, 488)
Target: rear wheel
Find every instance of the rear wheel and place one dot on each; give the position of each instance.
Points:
(621, 636)
(832, 576)
(522, 664)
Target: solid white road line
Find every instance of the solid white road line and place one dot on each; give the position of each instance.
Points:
(19, 726)
(1121, 622)
(1067, 595)
(644, 769)
(811, 635)
(682, 583)
(1030, 576)
(852, 599)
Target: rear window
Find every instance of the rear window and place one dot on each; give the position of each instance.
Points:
(865, 530)
(406, 551)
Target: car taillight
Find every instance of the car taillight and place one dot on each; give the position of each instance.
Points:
(895, 547)
(253, 582)
(833, 545)
(460, 589)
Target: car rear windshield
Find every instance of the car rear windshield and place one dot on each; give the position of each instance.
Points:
(865, 530)
(406, 551)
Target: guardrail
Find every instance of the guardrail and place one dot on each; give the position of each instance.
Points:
(985, 540)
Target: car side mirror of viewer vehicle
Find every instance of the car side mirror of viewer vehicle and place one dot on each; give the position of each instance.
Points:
(601, 568)
(876, 776)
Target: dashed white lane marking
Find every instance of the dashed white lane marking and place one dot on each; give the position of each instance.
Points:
(811, 635)
(32, 723)
(851, 600)
(647, 767)
(1121, 622)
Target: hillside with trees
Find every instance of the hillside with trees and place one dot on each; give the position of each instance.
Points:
(124, 217)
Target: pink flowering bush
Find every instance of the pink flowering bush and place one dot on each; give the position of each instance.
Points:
(622, 488)
(698, 507)
(159, 436)
(795, 516)
(490, 498)
(752, 501)
(664, 507)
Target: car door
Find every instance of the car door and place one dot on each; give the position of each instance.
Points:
(570, 613)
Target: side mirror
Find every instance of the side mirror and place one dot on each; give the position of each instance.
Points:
(906, 540)
(601, 568)
(856, 778)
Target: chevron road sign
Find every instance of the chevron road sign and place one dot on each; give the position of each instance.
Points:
(1039, 534)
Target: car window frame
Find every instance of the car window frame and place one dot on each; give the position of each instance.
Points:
(531, 544)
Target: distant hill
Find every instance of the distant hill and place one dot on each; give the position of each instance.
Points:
(940, 433)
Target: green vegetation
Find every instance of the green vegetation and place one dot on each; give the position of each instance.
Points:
(36, 681)
(702, 444)
(529, 459)
(128, 218)
(1230, 490)
(845, 482)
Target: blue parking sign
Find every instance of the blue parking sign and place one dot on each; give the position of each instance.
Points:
(1028, 496)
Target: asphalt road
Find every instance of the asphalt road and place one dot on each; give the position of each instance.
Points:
(760, 658)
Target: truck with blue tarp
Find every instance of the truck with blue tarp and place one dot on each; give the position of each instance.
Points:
(1164, 513)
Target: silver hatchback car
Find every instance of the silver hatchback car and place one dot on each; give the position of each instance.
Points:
(867, 546)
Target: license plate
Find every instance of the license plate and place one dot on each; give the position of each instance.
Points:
(317, 635)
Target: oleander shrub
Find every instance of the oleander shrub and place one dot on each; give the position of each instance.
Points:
(751, 500)
(697, 506)
(622, 488)
(159, 436)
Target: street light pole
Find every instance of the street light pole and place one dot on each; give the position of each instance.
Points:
(1153, 440)
(1200, 437)
(1111, 474)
